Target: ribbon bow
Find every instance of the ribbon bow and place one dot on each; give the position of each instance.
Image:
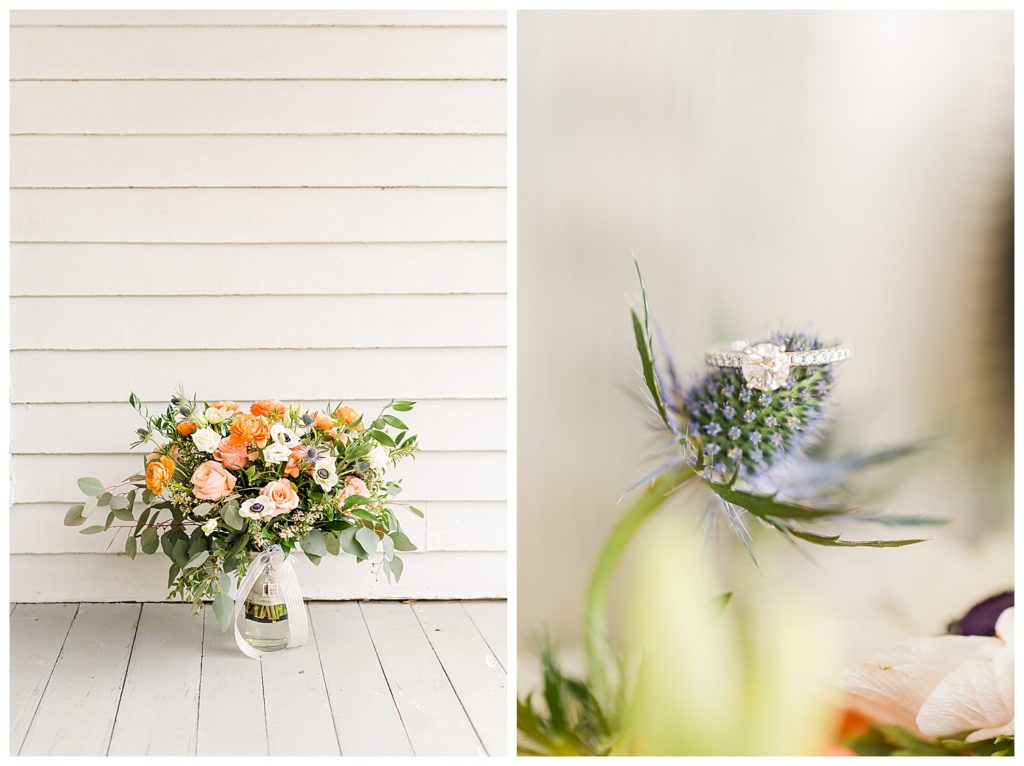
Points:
(298, 625)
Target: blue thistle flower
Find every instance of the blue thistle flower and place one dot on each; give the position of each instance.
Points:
(777, 426)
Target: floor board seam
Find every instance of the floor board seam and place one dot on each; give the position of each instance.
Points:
(199, 688)
(444, 670)
(46, 686)
(387, 680)
(124, 681)
(483, 637)
(323, 676)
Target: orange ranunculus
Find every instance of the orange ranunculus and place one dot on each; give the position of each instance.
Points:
(323, 422)
(211, 481)
(187, 428)
(294, 461)
(349, 415)
(249, 429)
(232, 455)
(158, 473)
(270, 408)
(227, 406)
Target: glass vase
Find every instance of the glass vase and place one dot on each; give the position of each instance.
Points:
(266, 615)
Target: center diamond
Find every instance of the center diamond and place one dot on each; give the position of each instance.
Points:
(765, 366)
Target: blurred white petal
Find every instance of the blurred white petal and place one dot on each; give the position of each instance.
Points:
(977, 696)
(895, 683)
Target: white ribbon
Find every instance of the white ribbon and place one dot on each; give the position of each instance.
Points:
(298, 625)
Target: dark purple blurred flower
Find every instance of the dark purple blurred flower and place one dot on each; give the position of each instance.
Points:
(980, 619)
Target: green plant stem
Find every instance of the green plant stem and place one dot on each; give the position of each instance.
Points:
(598, 647)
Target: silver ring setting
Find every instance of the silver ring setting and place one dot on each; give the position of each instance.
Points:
(766, 366)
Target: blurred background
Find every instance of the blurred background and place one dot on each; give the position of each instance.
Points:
(846, 172)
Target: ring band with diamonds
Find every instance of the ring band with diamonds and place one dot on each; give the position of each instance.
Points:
(766, 366)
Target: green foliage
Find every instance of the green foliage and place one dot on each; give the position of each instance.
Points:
(897, 741)
(571, 721)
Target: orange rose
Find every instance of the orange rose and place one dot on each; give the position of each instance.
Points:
(232, 455)
(283, 496)
(323, 422)
(187, 428)
(158, 473)
(226, 406)
(248, 429)
(270, 408)
(211, 481)
(350, 416)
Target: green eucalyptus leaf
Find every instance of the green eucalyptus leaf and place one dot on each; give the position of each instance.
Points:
(179, 552)
(130, 547)
(397, 567)
(93, 530)
(402, 406)
(224, 609)
(104, 499)
(367, 539)
(202, 509)
(124, 514)
(332, 543)
(349, 544)
(402, 543)
(229, 513)
(119, 502)
(413, 509)
(197, 560)
(91, 486)
(74, 517)
(150, 540)
(314, 544)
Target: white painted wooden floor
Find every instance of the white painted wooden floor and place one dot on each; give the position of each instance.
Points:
(385, 678)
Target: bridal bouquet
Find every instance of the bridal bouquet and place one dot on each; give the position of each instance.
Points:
(224, 486)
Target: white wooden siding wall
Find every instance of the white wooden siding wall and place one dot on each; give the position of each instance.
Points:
(303, 205)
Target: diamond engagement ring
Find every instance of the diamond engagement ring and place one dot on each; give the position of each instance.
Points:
(766, 366)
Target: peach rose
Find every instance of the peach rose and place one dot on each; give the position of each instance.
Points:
(211, 481)
(349, 415)
(353, 486)
(232, 455)
(228, 406)
(187, 428)
(282, 494)
(249, 429)
(270, 408)
(158, 473)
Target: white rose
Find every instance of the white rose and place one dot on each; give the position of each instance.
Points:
(215, 415)
(276, 453)
(283, 435)
(378, 457)
(325, 474)
(206, 439)
(210, 527)
(256, 508)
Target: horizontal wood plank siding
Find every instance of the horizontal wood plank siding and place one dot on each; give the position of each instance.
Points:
(260, 161)
(317, 195)
(244, 269)
(159, 107)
